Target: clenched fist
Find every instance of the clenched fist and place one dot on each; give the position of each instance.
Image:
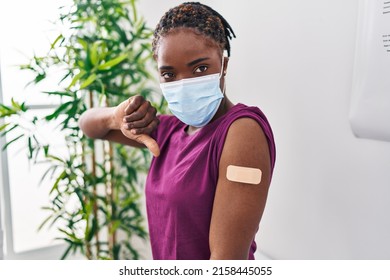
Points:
(136, 118)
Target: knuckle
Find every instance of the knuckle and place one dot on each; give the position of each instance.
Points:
(136, 100)
(139, 98)
(142, 123)
(136, 115)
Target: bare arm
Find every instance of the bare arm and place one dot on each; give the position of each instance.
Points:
(238, 207)
(129, 123)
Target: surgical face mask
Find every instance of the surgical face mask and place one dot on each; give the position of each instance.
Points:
(194, 101)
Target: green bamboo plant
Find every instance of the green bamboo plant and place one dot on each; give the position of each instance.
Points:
(103, 55)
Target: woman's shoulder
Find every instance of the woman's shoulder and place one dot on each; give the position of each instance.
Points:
(246, 120)
(240, 111)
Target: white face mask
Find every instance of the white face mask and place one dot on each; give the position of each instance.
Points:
(194, 101)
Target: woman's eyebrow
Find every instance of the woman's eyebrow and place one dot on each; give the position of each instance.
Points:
(165, 67)
(189, 64)
(192, 63)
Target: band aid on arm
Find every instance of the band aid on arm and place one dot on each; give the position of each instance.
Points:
(245, 175)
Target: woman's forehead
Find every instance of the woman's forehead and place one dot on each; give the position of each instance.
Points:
(186, 43)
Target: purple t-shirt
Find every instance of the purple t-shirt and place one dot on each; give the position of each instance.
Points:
(181, 183)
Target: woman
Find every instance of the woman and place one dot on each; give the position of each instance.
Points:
(196, 208)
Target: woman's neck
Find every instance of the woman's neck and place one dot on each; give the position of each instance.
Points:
(224, 107)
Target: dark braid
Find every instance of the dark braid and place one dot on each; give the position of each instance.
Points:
(198, 16)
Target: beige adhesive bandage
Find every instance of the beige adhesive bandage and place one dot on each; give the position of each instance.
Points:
(245, 175)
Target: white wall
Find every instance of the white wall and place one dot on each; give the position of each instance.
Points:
(330, 196)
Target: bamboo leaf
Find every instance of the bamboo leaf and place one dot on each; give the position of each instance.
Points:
(15, 104)
(60, 93)
(30, 148)
(58, 111)
(81, 199)
(12, 141)
(70, 235)
(94, 56)
(90, 233)
(83, 43)
(65, 76)
(6, 111)
(102, 89)
(39, 77)
(51, 168)
(44, 222)
(66, 253)
(88, 81)
(61, 177)
(55, 158)
(4, 126)
(56, 41)
(77, 78)
(112, 62)
(46, 149)
(135, 17)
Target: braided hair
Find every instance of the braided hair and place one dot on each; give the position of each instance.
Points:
(199, 17)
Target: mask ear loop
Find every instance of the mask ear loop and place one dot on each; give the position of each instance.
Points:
(223, 73)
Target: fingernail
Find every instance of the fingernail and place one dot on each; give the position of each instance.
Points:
(133, 131)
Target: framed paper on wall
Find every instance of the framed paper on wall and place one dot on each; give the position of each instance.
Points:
(370, 104)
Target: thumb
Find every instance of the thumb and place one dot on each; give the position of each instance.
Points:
(144, 139)
(150, 143)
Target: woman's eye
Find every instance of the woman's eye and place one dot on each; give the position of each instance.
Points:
(201, 69)
(167, 75)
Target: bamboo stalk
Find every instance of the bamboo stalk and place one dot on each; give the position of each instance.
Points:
(95, 206)
(88, 251)
(110, 194)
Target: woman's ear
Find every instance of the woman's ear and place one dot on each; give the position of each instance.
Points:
(225, 65)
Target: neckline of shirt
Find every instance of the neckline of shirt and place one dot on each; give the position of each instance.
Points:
(209, 126)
